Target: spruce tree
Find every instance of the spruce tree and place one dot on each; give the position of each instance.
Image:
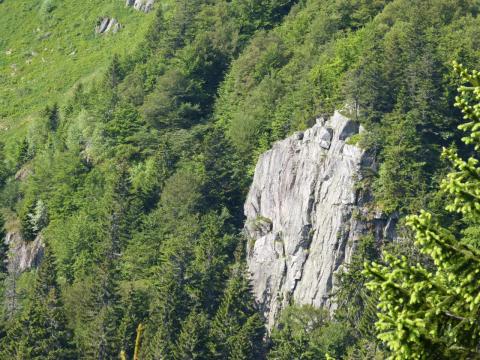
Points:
(155, 32)
(135, 312)
(4, 171)
(296, 331)
(23, 153)
(100, 314)
(52, 116)
(224, 180)
(169, 307)
(431, 312)
(192, 341)
(207, 270)
(102, 334)
(114, 73)
(237, 329)
(3, 248)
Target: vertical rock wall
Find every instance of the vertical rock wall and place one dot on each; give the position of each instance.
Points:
(301, 215)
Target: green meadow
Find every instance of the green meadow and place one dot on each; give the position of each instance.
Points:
(48, 46)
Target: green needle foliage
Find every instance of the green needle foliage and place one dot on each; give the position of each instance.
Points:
(131, 155)
(237, 328)
(41, 331)
(3, 249)
(431, 312)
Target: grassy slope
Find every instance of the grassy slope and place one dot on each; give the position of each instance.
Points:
(43, 54)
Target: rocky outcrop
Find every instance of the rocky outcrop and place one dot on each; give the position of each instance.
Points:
(304, 215)
(23, 255)
(106, 24)
(141, 5)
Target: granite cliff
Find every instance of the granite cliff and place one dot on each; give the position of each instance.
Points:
(305, 215)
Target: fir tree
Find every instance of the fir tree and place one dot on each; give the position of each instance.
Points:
(3, 166)
(237, 329)
(433, 312)
(23, 153)
(135, 311)
(3, 248)
(114, 73)
(52, 115)
(192, 341)
(170, 306)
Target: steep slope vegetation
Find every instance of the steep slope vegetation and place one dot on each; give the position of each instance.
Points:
(135, 182)
(138, 199)
(390, 67)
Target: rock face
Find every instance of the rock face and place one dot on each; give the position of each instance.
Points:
(141, 5)
(106, 24)
(303, 215)
(23, 255)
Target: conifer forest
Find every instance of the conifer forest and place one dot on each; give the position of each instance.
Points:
(239, 179)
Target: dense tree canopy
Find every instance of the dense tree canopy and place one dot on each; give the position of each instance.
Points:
(135, 180)
(432, 311)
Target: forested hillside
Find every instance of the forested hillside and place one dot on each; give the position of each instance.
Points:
(129, 155)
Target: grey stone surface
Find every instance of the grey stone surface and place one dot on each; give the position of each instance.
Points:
(305, 187)
(23, 255)
(102, 25)
(106, 24)
(141, 5)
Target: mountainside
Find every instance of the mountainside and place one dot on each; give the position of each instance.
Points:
(232, 179)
